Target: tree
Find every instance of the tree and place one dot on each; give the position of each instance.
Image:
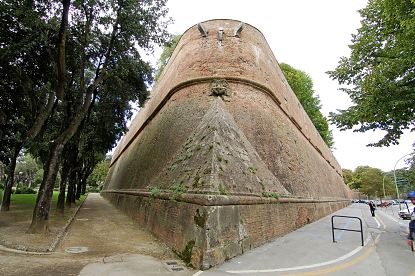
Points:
(97, 47)
(411, 160)
(26, 82)
(370, 181)
(99, 174)
(302, 85)
(347, 176)
(405, 179)
(379, 75)
(26, 168)
(168, 49)
(358, 173)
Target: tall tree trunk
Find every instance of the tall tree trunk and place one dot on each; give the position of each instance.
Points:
(61, 198)
(83, 187)
(75, 181)
(41, 212)
(7, 193)
(40, 223)
(71, 189)
(78, 188)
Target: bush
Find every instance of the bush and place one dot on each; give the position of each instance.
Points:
(25, 190)
(1, 186)
(93, 189)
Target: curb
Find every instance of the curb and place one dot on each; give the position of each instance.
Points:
(53, 245)
(60, 235)
(18, 251)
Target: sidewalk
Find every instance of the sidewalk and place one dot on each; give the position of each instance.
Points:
(311, 251)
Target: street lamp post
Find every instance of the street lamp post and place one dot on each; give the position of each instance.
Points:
(394, 176)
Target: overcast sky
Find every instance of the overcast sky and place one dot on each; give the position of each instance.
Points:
(310, 36)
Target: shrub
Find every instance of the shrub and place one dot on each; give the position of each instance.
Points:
(93, 189)
(25, 190)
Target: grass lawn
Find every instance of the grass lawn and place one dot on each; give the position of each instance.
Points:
(28, 200)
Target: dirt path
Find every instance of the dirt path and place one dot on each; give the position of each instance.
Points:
(106, 231)
(106, 236)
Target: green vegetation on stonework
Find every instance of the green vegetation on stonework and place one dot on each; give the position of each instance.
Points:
(178, 189)
(252, 169)
(154, 191)
(200, 218)
(186, 254)
(271, 194)
(223, 190)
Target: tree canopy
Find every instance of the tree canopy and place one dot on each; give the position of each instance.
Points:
(379, 74)
(168, 49)
(371, 181)
(347, 176)
(302, 85)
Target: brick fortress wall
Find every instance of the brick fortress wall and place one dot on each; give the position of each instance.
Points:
(204, 191)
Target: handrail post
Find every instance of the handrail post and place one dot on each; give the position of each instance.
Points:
(353, 230)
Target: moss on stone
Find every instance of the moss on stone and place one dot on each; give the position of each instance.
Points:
(223, 190)
(178, 190)
(186, 254)
(200, 218)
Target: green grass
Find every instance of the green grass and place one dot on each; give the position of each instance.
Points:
(29, 200)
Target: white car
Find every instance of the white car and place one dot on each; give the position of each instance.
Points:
(407, 213)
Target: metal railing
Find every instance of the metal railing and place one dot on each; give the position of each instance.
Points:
(353, 230)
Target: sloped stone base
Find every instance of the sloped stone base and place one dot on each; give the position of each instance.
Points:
(206, 230)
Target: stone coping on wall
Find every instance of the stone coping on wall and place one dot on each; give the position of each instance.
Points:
(213, 199)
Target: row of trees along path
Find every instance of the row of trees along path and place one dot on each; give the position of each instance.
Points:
(69, 71)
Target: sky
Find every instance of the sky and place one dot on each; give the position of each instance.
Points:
(310, 36)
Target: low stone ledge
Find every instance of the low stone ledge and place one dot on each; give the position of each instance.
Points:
(204, 199)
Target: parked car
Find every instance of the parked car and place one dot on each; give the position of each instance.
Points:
(385, 204)
(407, 212)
